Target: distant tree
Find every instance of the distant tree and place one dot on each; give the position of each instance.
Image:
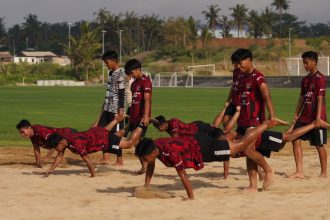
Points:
(240, 15)
(192, 36)
(102, 16)
(212, 16)
(32, 30)
(83, 50)
(2, 31)
(151, 27)
(288, 21)
(225, 25)
(267, 18)
(281, 6)
(255, 24)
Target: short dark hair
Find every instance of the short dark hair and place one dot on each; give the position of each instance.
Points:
(234, 58)
(132, 64)
(310, 55)
(110, 55)
(216, 132)
(160, 120)
(241, 54)
(23, 124)
(53, 140)
(145, 147)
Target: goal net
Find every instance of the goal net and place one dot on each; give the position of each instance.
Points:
(202, 70)
(173, 79)
(295, 66)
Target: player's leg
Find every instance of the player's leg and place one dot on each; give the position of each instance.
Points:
(252, 169)
(226, 165)
(103, 122)
(318, 138)
(296, 133)
(298, 157)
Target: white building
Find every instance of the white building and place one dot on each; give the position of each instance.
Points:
(34, 57)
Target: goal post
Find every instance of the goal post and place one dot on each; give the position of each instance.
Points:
(295, 66)
(202, 70)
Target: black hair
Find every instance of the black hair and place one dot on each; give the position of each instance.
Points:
(160, 120)
(234, 58)
(241, 54)
(53, 140)
(310, 55)
(132, 64)
(23, 124)
(216, 133)
(110, 55)
(145, 147)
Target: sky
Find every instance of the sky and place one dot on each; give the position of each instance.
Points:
(52, 11)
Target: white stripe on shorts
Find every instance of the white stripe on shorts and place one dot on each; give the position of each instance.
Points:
(115, 147)
(277, 140)
(222, 152)
(117, 127)
(321, 136)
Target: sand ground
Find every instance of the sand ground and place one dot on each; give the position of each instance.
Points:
(71, 194)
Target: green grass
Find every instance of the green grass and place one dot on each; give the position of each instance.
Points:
(79, 107)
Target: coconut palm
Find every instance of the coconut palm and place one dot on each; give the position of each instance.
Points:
(280, 7)
(239, 15)
(267, 19)
(212, 16)
(225, 25)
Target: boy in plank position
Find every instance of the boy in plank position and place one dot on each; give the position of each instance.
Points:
(93, 140)
(191, 152)
(38, 135)
(311, 106)
(176, 128)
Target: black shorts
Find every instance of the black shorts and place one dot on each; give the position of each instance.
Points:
(213, 149)
(316, 137)
(105, 119)
(133, 126)
(231, 109)
(207, 129)
(114, 141)
(270, 141)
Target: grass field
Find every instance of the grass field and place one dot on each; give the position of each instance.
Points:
(79, 107)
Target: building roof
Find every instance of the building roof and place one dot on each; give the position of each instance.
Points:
(5, 54)
(38, 54)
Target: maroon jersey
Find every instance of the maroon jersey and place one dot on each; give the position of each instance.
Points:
(178, 128)
(251, 100)
(312, 86)
(180, 152)
(234, 88)
(139, 87)
(92, 140)
(42, 132)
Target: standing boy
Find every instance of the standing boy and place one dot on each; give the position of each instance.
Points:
(253, 96)
(140, 110)
(311, 106)
(114, 102)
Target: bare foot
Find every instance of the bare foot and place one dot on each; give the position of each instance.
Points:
(296, 175)
(103, 162)
(280, 122)
(250, 189)
(323, 175)
(261, 175)
(269, 179)
(324, 125)
(139, 172)
(117, 164)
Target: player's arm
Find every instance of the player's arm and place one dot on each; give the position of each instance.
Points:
(218, 119)
(147, 107)
(48, 155)
(63, 143)
(231, 123)
(186, 183)
(149, 173)
(98, 118)
(268, 100)
(112, 124)
(37, 154)
(132, 140)
(89, 165)
(298, 108)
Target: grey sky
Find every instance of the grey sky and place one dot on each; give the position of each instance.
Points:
(14, 11)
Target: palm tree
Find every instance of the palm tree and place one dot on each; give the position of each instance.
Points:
(280, 6)
(239, 15)
(192, 36)
(225, 25)
(83, 50)
(212, 16)
(150, 28)
(32, 29)
(267, 19)
(102, 15)
(255, 24)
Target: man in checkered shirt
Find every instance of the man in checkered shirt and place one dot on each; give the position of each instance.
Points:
(114, 102)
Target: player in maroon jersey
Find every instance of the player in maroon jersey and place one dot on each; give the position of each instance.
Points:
(192, 151)
(93, 140)
(254, 96)
(311, 106)
(38, 135)
(140, 110)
